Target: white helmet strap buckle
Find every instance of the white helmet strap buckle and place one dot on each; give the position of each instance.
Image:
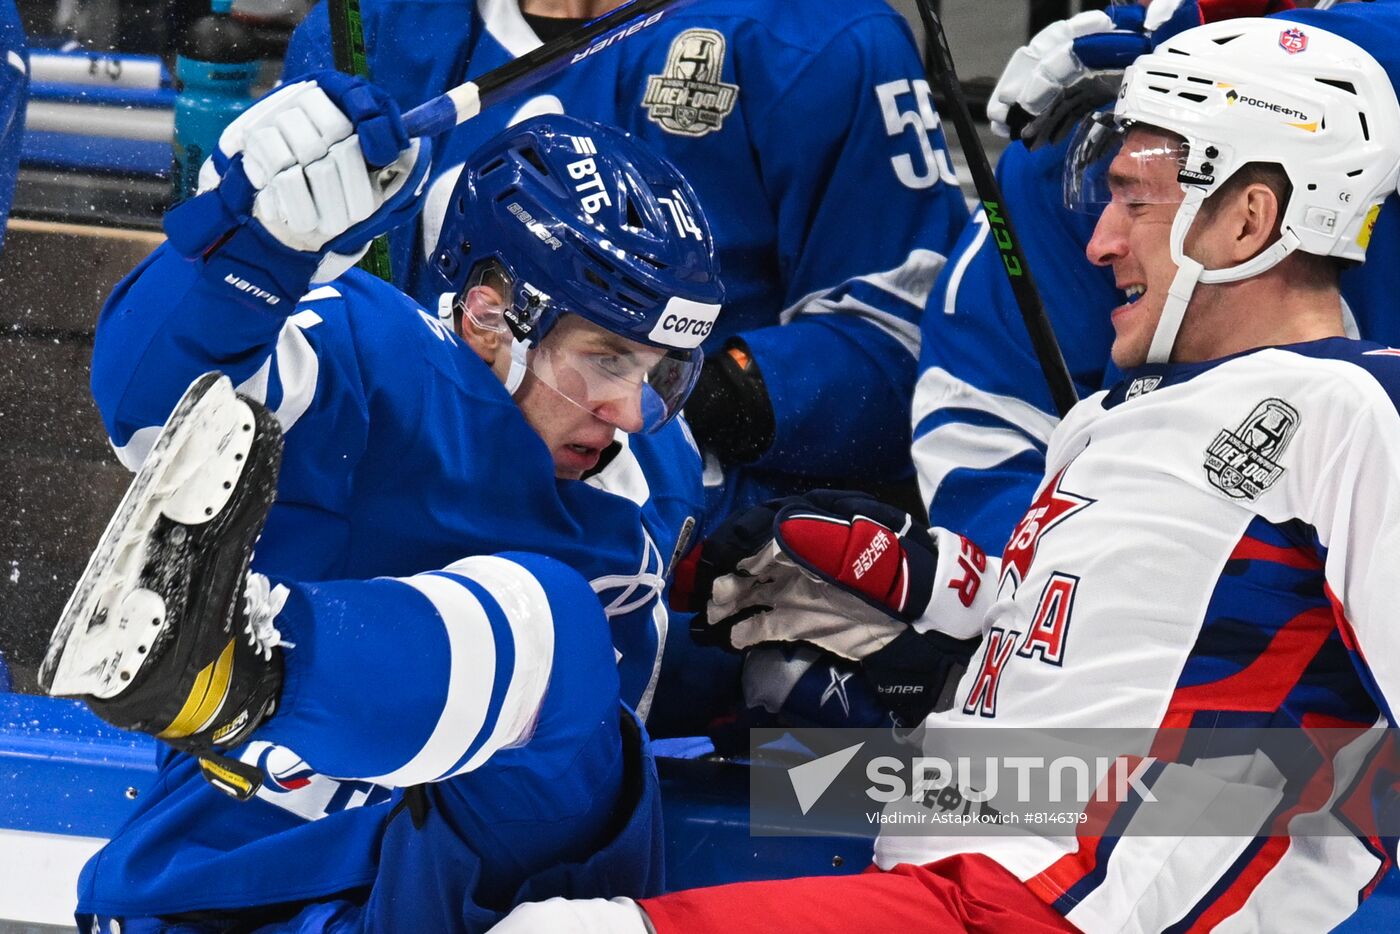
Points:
(518, 353)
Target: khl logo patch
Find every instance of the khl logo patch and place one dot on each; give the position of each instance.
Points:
(1142, 386)
(689, 98)
(1243, 463)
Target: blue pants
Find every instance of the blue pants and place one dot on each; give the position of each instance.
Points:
(571, 810)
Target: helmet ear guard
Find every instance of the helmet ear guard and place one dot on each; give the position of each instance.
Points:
(481, 301)
(1247, 91)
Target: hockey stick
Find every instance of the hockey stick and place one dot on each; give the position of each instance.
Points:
(348, 56)
(938, 64)
(465, 101)
(347, 38)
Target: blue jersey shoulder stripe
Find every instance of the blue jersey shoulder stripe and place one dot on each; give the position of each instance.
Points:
(978, 418)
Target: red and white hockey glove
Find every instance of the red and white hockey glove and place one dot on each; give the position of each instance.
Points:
(851, 576)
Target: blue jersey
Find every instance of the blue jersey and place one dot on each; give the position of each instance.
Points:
(403, 452)
(809, 135)
(483, 756)
(982, 414)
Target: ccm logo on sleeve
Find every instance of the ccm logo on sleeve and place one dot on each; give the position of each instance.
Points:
(684, 324)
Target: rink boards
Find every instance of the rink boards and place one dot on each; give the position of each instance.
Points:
(68, 780)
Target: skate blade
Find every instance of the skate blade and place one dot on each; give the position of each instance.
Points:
(109, 624)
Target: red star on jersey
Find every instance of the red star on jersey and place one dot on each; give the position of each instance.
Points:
(1053, 506)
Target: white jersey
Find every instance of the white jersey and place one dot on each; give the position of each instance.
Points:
(1213, 545)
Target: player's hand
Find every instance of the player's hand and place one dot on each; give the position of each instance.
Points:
(729, 410)
(850, 575)
(1166, 18)
(1067, 69)
(322, 166)
(798, 685)
(1075, 66)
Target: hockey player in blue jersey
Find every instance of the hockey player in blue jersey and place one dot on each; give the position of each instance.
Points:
(981, 418)
(405, 450)
(811, 138)
(385, 479)
(485, 718)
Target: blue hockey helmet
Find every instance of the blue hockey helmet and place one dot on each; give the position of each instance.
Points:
(562, 216)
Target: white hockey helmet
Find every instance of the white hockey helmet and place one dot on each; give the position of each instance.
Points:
(1247, 91)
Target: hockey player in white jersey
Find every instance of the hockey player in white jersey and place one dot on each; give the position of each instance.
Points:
(981, 420)
(1211, 543)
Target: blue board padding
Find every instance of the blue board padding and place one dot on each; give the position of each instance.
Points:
(97, 153)
(96, 94)
(64, 771)
(706, 809)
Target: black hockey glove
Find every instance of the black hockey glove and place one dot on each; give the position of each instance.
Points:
(729, 410)
(851, 576)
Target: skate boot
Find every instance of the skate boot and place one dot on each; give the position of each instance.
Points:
(158, 635)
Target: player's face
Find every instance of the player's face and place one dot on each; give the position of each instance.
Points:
(582, 384)
(1133, 236)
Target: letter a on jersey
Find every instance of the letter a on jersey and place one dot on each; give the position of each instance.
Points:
(1046, 636)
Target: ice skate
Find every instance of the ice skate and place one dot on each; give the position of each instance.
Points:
(156, 636)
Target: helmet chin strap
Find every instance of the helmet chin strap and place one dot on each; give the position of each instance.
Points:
(516, 376)
(446, 313)
(1189, 273)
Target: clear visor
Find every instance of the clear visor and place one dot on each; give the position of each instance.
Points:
(1112, 161)
(628, 384)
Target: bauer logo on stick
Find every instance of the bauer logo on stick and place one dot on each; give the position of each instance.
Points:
(689, 98)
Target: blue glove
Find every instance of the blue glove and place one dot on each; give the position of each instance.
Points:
(798, 686)
(299, 186)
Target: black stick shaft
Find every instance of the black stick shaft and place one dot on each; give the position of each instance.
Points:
(939, 63)
(348, 55)
(513, 73)
(443, 112)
